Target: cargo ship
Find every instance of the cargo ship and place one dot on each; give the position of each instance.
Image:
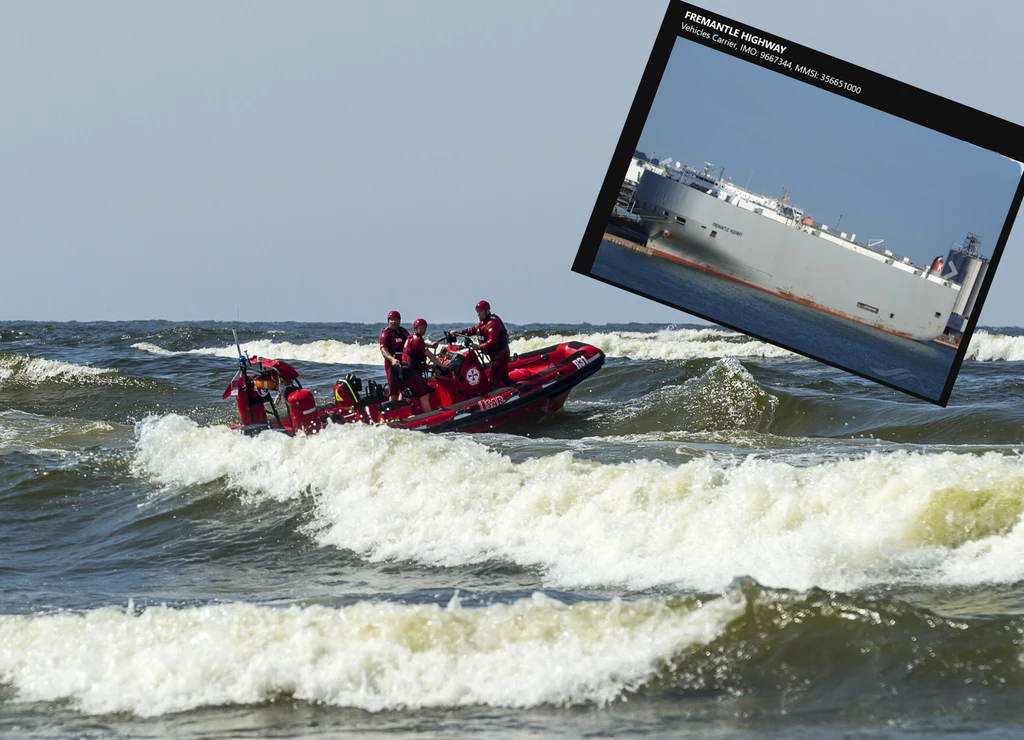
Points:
(708, 223)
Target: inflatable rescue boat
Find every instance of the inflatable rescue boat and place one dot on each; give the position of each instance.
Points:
(269, 395)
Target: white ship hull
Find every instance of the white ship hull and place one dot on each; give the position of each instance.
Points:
(803, 265)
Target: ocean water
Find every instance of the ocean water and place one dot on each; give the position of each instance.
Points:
(916, 367)
(715, 538)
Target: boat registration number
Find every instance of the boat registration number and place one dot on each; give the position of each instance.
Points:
(580, 362)
(490, 403)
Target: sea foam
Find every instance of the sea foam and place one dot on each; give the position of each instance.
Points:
(374, 656)
(668, 344)
(327, 351)
(987, 347)
(946, 518)
(26, 370)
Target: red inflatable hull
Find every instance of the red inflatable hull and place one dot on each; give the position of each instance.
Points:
(542, 381)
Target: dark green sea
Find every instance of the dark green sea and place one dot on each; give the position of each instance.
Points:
(715, 538)
(919, 368)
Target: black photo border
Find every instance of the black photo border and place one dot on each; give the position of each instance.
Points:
(877, 91)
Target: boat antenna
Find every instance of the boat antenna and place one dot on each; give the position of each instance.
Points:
(242, 358)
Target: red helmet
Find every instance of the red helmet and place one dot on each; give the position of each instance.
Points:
(394, 315)
(418, 323)
(483, 306)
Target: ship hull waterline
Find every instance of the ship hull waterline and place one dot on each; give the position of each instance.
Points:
(654, 252)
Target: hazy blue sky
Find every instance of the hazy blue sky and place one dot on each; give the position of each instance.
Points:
(888, 178)
(331, 160)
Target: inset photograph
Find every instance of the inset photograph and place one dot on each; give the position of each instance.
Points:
(807, 219)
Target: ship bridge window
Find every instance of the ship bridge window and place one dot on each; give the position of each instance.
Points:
(866, 307)
(681, 220)
(938, 315)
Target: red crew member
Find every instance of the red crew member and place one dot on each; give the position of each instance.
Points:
(495, 344)
(416, 354)
(391, 340)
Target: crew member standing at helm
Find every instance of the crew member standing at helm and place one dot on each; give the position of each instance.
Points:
(495, 342)
(391, 340)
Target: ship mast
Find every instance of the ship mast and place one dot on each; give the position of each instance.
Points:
(970, 246)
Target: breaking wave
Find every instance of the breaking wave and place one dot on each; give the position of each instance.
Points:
(373, 656)
(327, 351)
(24, 370)
(724, 397)
(535, 651)
(986, 347)
(904, 517)
(668, 344)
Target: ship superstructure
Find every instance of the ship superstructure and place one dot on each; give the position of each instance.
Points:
(964, 265)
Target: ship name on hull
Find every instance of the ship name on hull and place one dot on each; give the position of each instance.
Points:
(723, 227)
